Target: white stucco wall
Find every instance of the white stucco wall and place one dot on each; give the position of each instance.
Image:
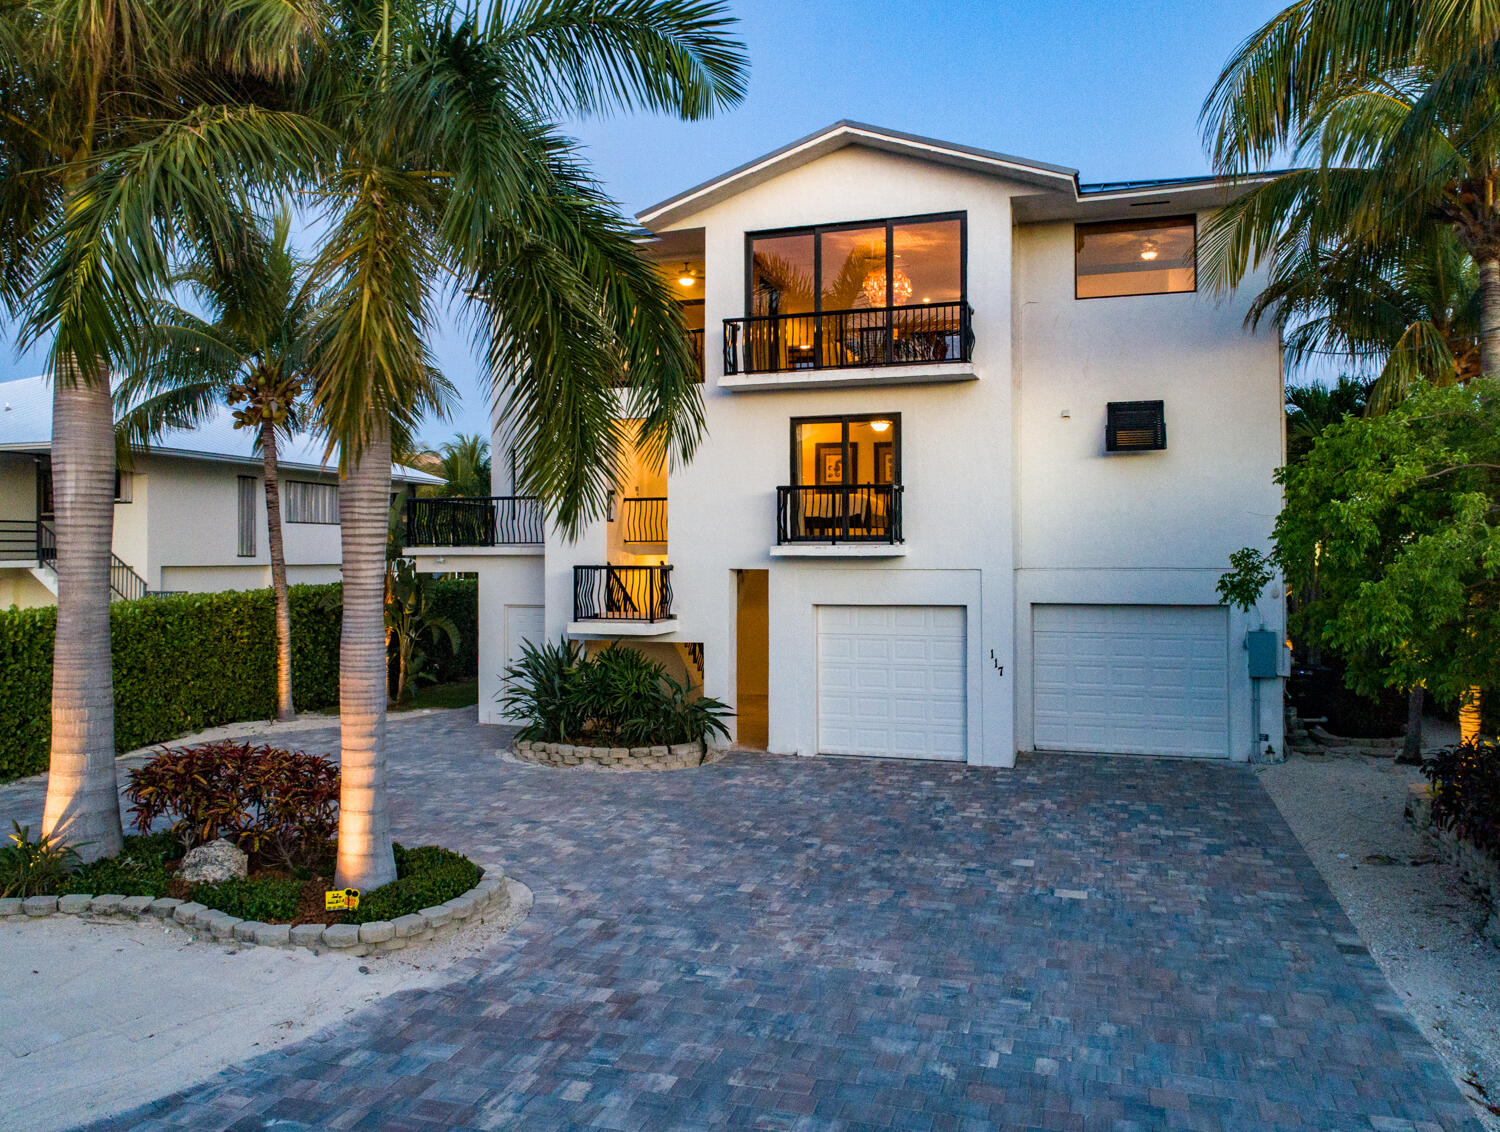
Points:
(1151, 527)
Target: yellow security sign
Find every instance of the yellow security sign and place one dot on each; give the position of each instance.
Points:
(341, 899)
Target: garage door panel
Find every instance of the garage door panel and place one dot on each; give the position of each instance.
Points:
(1127, 679)
(892, 681)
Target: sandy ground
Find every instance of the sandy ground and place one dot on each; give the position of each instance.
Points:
(1419, 921)
(98, 1016)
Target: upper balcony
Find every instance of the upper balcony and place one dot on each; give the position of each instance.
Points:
(474, 523)
(926, 334)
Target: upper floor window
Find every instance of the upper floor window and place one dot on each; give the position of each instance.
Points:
(870, 265)
(308, 502)
(1136, 257)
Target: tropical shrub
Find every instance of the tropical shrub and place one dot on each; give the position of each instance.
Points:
(1466, 792)
(143, 868)
(280, 804)
(190, 661)
(425, 877)
(264, 899)
(34, 867)
(617, 698)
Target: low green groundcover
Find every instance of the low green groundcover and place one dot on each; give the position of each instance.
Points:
(425, 877)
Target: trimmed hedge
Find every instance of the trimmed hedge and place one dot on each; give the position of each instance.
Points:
(190, 661)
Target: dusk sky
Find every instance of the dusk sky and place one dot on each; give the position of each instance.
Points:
(1110, 87)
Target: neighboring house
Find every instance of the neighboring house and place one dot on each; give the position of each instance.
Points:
(978, 451)
(190, 513)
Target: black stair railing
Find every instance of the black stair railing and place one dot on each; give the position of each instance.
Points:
(839, 513)
(927, 333)
(622, 593)
(19, 539)
(504, 520)
(644, 518)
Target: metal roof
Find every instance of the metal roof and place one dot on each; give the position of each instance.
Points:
(26, 426)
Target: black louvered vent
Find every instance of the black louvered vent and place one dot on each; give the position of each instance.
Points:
(1136, 426)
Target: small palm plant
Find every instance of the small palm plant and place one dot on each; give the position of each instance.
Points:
(32, 868)
(410, 620)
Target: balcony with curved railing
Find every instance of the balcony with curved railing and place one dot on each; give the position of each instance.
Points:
(924, 334)
(505, 520)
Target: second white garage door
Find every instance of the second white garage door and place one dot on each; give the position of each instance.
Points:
(892, 681)
(1131, 679)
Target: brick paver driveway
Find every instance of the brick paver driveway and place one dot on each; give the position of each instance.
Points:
(779, 943)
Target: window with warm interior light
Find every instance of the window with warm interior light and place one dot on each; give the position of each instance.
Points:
(846, 451)
(1135, 257)
(876, 264)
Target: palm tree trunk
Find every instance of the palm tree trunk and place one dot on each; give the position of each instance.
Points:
(365, 860)
(1411, 749)
(83, 802)
(1489, 317)
(284, 708)
(1468, 717)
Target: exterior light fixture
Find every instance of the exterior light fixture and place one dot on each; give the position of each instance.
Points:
(874, 288)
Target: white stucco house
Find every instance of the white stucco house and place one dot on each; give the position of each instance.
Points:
(190, 513)
(978, 451)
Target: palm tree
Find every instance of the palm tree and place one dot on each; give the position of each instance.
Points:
(1395, 107)
(464, 464)
(125, 126)
(251, 353)
(449, 176)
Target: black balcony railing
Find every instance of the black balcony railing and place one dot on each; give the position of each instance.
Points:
(505, 520)
(622, 593)
(644, 519)
(894, 336)
(20, 540)
(839, 513)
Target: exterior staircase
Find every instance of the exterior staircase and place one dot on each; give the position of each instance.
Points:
(691, 653)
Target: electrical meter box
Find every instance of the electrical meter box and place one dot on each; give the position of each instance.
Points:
(1266, 653)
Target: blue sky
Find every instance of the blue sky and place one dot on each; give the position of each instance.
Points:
(1110, 87)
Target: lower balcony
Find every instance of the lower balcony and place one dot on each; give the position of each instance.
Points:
(622, 601)
(839, 520)
(507, 520)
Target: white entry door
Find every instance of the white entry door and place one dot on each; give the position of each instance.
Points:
(1131, 679)
(892, 681)
(523, 623)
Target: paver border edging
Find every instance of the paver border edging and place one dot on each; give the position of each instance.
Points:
(677, 756)
(1476, 866)
(438, 922)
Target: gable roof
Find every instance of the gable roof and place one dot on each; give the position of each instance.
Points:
(26, 426)
(839, 136)
(1061, 192)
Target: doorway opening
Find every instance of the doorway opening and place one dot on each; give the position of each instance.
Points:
(752, 657)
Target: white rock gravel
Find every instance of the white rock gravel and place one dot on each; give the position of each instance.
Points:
(1419, 921)
(98, 1016)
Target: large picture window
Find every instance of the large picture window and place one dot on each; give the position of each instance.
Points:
(307, 502)
(1135, 257)
(871, 265)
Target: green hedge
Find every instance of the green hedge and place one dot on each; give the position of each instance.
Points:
(191, 661)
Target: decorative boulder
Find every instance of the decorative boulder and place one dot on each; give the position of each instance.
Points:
(214, 863)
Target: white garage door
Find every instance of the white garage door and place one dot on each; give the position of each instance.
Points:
(1131, 679)
(891, 681)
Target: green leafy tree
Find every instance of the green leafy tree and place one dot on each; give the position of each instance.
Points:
(1392, 532)
(1313, 407)
(449, 177)
(250, 353)
(409, 620)
(127, 128)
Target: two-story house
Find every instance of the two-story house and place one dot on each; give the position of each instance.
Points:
(978, 450)
(190, 513)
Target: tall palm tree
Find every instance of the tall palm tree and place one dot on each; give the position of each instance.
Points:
(450, 177)
(126, 126)
(250, 352)
(464, 464)
(1394, 106)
